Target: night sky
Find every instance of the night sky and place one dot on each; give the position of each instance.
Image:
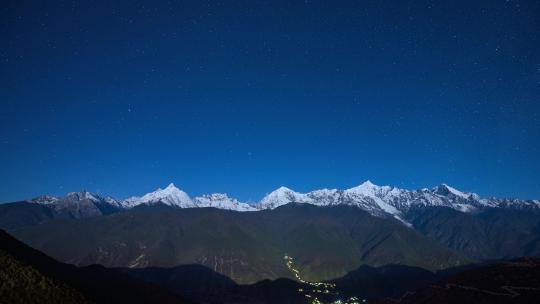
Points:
(242, 97)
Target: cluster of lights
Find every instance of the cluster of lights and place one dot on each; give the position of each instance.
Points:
(319, 287)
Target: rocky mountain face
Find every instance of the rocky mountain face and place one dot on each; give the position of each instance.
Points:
(75, 205)
(79, 204)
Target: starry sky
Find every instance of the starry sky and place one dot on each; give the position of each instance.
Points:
(122, 97)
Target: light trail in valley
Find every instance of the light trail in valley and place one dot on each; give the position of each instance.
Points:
(318, 289)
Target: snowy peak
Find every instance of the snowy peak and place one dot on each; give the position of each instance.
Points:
(171, 187)
(84, 195)
(368, 185)
(377, 200)
(45, 199)
(282, 196)
(175, 197)
(81, 204)
(446, 190)
(325, 197)
(283, 191)
(222, 201)
(367, 188)
(74, 197)
(171, 196)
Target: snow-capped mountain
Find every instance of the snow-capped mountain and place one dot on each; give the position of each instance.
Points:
(79, 204)
(371, 198)
(381, 201)
(175, 197)
(171, 196)
(222, 201)
(280, 197)
(85, 195)
(284, 195)
(387, 201)
(45, 199)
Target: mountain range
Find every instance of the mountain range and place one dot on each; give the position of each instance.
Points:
(328, 232)
(382, 201)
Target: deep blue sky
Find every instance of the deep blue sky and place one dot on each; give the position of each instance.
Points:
(245, 96)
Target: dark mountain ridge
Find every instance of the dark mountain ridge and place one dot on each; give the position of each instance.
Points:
(488, 235)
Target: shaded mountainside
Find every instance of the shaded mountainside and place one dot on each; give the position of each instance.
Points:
(327, 242)
(516, 281)
(23, 214)
(28, 276)
(491, 234)
(486, 235)
(62, 283)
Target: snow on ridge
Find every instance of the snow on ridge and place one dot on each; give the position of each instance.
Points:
(45, 199)
(444, 189)
(85, 195)
(222, 201)
(282, 196)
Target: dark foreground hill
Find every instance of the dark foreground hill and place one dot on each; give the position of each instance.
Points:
(326, 242)
(22, 283)
(200, 284)
(29, 276)
(516, 281)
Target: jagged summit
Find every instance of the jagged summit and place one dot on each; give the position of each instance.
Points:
(367, 184)
(45, 199)
(222, 201)
(283, 189)
(84, 195)
(170, 195)
(444, 189)
(171, 186)
(366, 188)
(281, 196)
